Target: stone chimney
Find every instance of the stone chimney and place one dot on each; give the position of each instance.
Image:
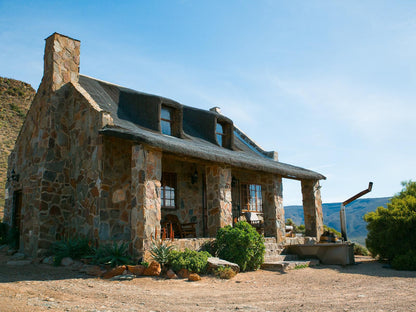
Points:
(61, 61)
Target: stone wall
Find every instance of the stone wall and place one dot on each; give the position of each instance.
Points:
(312, 208)
(146, 172)
(218, 182)
(115, 196)
(56, 155)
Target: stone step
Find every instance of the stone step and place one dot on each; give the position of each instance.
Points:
(281, 257)
(287, 265)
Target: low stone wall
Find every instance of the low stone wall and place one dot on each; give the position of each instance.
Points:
(302, 240)
(191, 243)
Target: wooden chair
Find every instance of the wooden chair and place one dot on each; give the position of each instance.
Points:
(181, 230)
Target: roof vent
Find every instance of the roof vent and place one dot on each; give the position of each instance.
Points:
(215, 109)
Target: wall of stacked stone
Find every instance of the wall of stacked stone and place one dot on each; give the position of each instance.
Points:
(312, 208)
(56, 155)
(219, 207)
(27, 160)
(191, 243)
(146, 172)
(115, 202)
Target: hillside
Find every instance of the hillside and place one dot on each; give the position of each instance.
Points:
(15, 99)
(356, 226)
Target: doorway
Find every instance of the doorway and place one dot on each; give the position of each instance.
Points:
(17, 216)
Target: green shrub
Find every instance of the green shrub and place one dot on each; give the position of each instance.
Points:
(225, 272)
(211, 247)
(405, 262)
(391, 230)
(301, 266)
(193, 261)
(160, 251)
(242, 245)
(76, 248)
(360, 250)
(296, 228)
(332, 230)
(112, 254)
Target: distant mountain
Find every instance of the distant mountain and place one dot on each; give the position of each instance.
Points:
(15, 99)
(356, 226)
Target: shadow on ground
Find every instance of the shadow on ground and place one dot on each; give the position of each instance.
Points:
(368, 266)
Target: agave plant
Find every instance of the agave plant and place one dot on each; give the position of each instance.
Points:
(113, 255)
(160, 251)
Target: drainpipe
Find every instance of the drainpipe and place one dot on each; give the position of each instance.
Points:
(347, 202)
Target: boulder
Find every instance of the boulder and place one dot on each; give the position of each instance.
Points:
(136, 269)
(154, 269)
(214, 263)
(193, 277)
(114, 272)
(171, 275)
(18, 256)
(183, 273)
(48, 260)
(67, 261)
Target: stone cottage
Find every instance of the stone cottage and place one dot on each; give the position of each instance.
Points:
(101, 161)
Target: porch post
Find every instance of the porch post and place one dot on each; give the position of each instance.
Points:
(274, 216)
(219, 206)
(312, 208)
(146, 172)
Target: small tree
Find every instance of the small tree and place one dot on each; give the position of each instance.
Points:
(391, 230)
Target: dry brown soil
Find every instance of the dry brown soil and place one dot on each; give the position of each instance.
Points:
(366, 286)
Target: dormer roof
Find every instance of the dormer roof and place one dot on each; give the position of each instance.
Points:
(136, 117)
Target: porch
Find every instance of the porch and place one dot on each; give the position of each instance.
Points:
(147, 187)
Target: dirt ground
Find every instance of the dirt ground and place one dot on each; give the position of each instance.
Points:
(366, 286)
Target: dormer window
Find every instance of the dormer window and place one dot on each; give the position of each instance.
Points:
(166, 120)
(219, 131)
(171, 120)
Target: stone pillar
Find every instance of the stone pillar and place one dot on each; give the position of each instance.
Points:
(61, 61)
(146, 172)
(274, 215)
(312, 208)
(219, 206)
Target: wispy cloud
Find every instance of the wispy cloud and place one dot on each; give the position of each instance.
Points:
(372, 113)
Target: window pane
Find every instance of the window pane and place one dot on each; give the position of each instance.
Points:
(219, 139)
(165, 113)
(219, 129)
(166, 129)
(168, 190)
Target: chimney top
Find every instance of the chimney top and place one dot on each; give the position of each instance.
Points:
(215, 109)
(61, 61)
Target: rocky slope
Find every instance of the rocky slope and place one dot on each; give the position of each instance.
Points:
(15, 99)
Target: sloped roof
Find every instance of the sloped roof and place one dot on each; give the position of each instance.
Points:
(135, 119)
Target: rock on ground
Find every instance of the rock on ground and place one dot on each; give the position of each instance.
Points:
(215, 263)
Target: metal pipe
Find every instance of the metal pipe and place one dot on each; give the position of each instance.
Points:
(342, 215)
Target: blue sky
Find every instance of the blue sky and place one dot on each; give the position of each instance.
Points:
(330, 85)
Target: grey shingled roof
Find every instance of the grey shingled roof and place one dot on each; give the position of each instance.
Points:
(134, 119)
